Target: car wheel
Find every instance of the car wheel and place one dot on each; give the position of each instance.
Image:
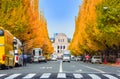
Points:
(100, 62)
(45, 61)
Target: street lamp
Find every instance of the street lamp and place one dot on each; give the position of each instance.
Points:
(105, 8)
(22, 48)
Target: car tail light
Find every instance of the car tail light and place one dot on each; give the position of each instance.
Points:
(3, 57)
(17, 58)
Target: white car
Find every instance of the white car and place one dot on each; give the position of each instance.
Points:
(54, 58)
(78, 58)
(66, 57)
(42, 59)
(96, 59)
(35, 59)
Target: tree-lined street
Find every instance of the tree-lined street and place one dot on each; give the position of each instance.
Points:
(24, 38)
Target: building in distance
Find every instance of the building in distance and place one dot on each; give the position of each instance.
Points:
(60, 43)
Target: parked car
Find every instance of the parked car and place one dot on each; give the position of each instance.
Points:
(53, 58)
(35, 59)
(73, 58)
(42, 59)
(29, 58)
(78, 58)
(96, 59)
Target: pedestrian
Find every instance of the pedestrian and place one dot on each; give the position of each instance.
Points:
(87, 58)
(24, 59)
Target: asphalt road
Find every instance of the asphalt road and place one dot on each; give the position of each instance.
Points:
(64, 70)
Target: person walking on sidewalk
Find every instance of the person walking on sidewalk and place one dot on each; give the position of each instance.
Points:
(87, 58)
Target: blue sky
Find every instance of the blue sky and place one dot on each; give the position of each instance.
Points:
(60, 15)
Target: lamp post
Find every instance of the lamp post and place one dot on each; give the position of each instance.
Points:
(22, 48)
(105, 8)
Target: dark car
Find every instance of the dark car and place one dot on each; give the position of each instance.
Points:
(29, 58)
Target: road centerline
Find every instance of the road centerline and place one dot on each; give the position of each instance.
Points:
(61, 69)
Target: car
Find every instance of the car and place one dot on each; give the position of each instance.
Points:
(66, 56)
(29, 58)
(73, 58)
(96, 59)
(35, 59)
(42, 59)
(78, 58)
(53, 58)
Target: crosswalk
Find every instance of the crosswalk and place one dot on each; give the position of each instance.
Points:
(60, 76)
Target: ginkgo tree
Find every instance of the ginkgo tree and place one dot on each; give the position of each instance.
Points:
(97, 28)
(86, 31)
(23, 19)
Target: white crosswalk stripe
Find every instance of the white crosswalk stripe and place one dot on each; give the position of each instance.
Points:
(110, 76)
(29, 76)
(93, 76)
(2, 75)
(46, 75)
(61, 75)
(58, 75)
(78, 76)
(13, 76)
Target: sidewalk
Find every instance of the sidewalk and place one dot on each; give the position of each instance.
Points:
(113, 64)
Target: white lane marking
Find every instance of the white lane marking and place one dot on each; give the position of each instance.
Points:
(12, 76)
(49, 67)
(2, 75)
(42, 67)
(46, 75)
(110, 76)
(60, 69)
(78, 76)
(78, 70)
(94, 69)
(29, 76)
(61, 75)
(45, 67)
(93, 76)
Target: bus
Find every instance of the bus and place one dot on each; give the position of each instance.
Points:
(17, 52)
(6, 49)
(36, 53)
